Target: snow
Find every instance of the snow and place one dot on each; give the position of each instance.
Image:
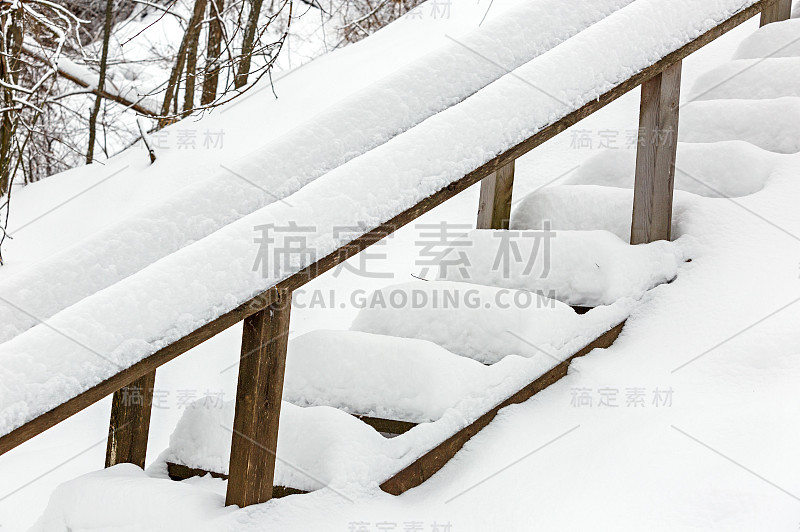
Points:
(622, 468)
(169, 504)
(111, 321)
(579, 268)
(772, 124)
(732, 168)
(393, 378)
(484, 323)
(583, 208)
(316, 446)
(745, 79)
(775, 40)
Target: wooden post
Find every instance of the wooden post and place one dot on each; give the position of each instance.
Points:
(655, 159)
(130, 422)
(258, 404)
(776, 12)
(494, 208)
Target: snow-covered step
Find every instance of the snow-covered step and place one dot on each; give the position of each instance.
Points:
(716, 169)
(749, 79)
(772, 124)
(319, 446)
(315, 445)
(385, 377)
(584, 208)
(773, 40)
(484, 323)
(579, 268)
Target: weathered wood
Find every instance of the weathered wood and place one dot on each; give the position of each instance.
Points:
(388, 426)
(655, 157)
(262, 365)
(97, 392)
(130, 422)
(429, 463)
(777, 12)
(494, 207)
(182, 472)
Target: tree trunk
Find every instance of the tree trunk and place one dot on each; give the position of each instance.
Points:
(213, 49)
(10, 50)
(192, 38)
(101, 81)
(247, 44)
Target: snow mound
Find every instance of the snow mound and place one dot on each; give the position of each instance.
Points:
(315, 445)
(479, 322)
(754, 79)
(583, 268)
(585, 208)
(773, 125)
(131, 500)
(715, 170)
(773, 40)
(382, 376)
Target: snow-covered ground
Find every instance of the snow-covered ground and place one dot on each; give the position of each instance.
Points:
(708, 444)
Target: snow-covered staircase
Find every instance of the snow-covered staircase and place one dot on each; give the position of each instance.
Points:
(397, 369)
(441, 353)
(432, 377)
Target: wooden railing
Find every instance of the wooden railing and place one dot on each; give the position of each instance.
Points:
(266, 317)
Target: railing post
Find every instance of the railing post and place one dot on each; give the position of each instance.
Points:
(265, 339)
(494, 208)
(130, 422)
(655, 158)
(776, 12)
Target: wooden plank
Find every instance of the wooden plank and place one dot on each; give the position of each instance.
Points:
(777, 12)
(388, 426)
(182, 472)
(130, 422)
(426, 465)
(655, 157)
(162, 356)
(262, 365)
(494, 207)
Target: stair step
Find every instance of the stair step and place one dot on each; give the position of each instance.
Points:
(479, 322)
(581, 268)
(318, 444)
(381, 377)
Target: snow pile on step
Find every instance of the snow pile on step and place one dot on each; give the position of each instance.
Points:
(715, 170)
(320, 446)
(131, 500)
(315, 445)
(480, 322)
(382, 376)
(582, 268)
(752, 79)
(773, 40)
(155, 306)
(367, 115)
(773, 125)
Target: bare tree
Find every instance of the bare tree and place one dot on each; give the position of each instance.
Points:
(102, 80)
(216, 29)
